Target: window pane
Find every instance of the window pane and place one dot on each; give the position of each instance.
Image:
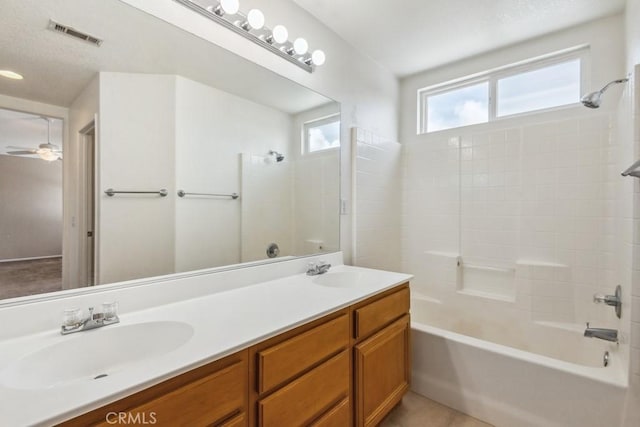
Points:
(547, 87)
(323, 136)
(458, 107)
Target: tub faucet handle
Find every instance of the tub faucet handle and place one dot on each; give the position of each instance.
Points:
(612, 300)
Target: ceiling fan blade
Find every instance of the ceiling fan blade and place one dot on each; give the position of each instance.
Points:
(21, 153)
(13, 147)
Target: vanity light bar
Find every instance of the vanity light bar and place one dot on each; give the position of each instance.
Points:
(275, 41)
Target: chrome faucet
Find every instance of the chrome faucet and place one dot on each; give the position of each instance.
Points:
(603, 334)
(73, 322)
(315, 268)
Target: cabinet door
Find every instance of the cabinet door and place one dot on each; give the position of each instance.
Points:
(382, 369)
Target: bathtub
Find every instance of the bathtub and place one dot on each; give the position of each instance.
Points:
(493, 371)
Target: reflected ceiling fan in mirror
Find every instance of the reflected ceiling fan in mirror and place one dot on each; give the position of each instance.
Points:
(49, 152)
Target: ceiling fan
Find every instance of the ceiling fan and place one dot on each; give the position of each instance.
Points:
(49, 152)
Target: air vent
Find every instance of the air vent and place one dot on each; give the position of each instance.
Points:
(70, 31)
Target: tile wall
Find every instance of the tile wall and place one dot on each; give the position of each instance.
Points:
(541, 198)
(377, 200)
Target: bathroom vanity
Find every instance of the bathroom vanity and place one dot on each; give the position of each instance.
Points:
(329, 350)
(349, 366)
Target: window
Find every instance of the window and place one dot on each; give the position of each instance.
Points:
(458, 107)
(543, 88)
(536, 85)
(321, 134)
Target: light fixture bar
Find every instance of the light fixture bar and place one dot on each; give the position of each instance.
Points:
(302, 61)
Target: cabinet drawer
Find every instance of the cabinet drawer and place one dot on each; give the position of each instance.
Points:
(237, 421)
(309, 396)
(203, 402)
(377, 314)
(285, 360)
(338, 416)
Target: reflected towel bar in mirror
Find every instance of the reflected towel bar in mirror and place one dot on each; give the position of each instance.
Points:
(111, 192)
(183, 193)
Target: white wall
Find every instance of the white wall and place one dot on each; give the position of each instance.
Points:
(30, 208)
(212, 128)
(367, 92)
(136, 137)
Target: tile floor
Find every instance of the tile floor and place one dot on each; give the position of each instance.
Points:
(418, 411)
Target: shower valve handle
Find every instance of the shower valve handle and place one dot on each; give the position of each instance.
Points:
(612, 300)
(606, 299)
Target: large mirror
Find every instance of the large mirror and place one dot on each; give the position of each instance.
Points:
(150, 152)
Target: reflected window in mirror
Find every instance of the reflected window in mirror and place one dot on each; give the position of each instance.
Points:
(321, 134)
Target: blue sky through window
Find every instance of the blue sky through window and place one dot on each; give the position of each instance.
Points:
(459, 107)
(324, 136)
(546, 87)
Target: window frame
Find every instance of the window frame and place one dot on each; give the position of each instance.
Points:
(320, 121)
(492, 77)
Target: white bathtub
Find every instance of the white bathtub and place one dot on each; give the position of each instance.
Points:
(490, 371)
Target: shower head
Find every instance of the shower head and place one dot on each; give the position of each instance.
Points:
(593, 99)
(279, 156)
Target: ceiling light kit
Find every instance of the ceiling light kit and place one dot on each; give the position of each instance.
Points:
(49, 152)
(251, 26)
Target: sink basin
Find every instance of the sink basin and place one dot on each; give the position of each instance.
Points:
(339, 279)
(94, 354)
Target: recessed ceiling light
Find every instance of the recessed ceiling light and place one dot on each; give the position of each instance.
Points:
(11, 75)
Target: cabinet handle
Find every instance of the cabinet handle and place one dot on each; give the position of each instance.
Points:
(356, 327)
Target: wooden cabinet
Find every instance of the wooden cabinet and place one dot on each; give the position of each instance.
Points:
(381, 355)
(303, 376)
(308, 397)
(285, 360)
(348, 368)
(215, 394)
(382, 372)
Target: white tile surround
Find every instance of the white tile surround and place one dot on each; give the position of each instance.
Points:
(631, 109)
(541, 198)
(377, 200)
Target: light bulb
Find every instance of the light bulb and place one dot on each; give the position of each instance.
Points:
(47, 155)
(256, 19)
(301, 46)
(318, 57)
(10, 75)
(280, 34)
(230, 6)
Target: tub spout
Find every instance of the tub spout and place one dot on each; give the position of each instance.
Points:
(601, 333)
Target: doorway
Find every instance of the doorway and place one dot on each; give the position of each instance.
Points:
(88, 204)
(31, 195)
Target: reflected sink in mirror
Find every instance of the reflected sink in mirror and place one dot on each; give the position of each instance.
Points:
(95, 354)
(340, 279)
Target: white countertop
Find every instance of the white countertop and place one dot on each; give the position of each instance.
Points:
(223, 323)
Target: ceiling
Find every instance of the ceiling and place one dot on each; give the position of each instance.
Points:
(57, 67)
(408, 36)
